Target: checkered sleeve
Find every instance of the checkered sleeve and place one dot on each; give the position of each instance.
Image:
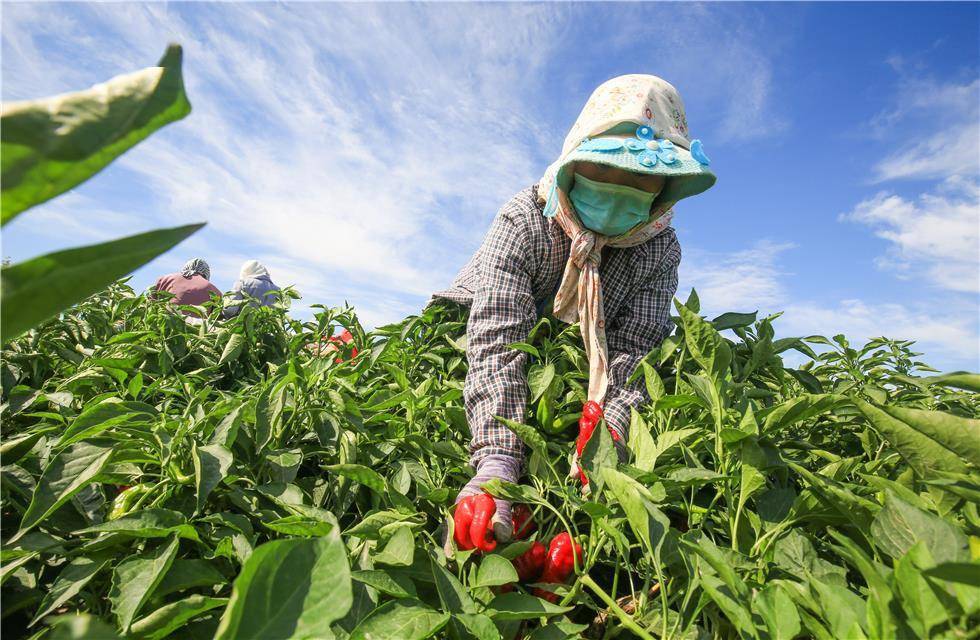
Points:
(502, 313)
(641, 325)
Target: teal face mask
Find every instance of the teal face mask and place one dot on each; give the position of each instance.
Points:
(609, 209)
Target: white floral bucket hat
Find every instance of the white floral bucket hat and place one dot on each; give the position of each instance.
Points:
(637, 123)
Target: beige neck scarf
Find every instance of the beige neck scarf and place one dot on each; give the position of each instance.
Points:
(579, 297)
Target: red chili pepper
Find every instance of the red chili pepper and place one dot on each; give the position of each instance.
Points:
(559, 564)
(530, 564)
(523, 524)
(472, 523)
(344, 338)
(592, 411)
(591, 415)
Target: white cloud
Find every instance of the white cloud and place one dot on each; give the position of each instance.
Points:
(937, 235)
(934, 127)
(754, 279)
(741, 281)
(943, 332)
(952, 150)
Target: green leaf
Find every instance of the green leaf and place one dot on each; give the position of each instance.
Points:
(599, 453)
(80, 627)
(65, 475)
(899, 525)
(967, 573)
(399, 550)
(778, 612)
(289, 589)
(268, 411)
(648, 523)
(360, 474)
(187, 574)
(395, 586)
(69, 583)
(959, 435)
(654, 384)
(370, 525)
(730, 603)
(494, 571)
(211, 465)
(39, 288)
(480, 625)
(520, 606)
(135, 578)
(918, 598)
(641, 443)
(932, 441)
(529, 435)
(233, 348)
(453, 596)
(731, 320)
(298, 525)
(147, 523)
(406, 619)
(958, 379)
(49, 146)
(539, 378)
(705, 345)
(170, 617)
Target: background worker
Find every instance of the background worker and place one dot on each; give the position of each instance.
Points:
(190, 285)
(253, 280)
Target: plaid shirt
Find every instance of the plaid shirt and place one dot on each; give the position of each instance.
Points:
(519, 267)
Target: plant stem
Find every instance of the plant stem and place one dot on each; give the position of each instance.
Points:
(624, 618)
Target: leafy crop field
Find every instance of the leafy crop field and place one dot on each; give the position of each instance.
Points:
(163, 480)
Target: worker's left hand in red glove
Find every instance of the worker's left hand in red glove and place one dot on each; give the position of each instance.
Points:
(479, 520)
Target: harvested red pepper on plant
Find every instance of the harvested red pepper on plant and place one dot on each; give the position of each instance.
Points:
(531, 563)
(472, 523)
(559, 563)
(522, 522)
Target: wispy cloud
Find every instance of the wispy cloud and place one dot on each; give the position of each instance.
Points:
(936, 236)
(744, 280)
(756, 279)
(934, 126)
(943, 331)
(363, 147)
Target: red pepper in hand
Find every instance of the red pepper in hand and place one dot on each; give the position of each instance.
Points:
(472, 528)
(559, 564)
(530, 564)
(591, 415)
(522, 522)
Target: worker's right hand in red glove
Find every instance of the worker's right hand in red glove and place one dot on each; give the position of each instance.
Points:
(481, 521)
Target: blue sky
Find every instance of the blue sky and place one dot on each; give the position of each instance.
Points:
(361, 150)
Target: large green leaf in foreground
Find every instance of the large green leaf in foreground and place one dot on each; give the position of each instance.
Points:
(50, 145)
(290, 589)
(39, 288)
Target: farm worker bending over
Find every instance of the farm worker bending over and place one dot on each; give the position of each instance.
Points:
(253, 280)
(190, 285)
(595, 234)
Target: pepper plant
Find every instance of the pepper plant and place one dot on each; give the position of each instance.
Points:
(226, 480)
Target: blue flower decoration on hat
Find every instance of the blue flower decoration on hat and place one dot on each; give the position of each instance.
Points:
(649, 149)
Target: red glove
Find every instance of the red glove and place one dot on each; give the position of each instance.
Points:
(472, 523)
